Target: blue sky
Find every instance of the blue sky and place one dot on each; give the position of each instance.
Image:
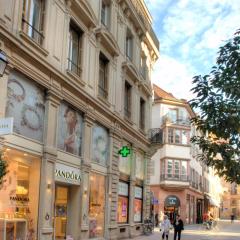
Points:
(190, 33)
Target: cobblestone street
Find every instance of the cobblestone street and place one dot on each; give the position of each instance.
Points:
(224, 231)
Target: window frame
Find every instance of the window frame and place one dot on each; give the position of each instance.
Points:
(127, 99)
(103, 82)
(129, 44)
(142, 110)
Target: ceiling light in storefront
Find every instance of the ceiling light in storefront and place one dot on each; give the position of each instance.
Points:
(8, 149)
(25, 154)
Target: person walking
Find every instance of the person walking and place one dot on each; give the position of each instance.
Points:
(178, 227)
(232, 218)
(165, 227)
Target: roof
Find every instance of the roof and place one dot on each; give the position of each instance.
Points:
(159, 93)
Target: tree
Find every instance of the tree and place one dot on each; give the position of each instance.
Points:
(218, 103)
(3, 169)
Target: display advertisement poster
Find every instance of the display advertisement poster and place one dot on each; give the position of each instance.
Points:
(70, 127)
(138, 192)
(122, 209)
(100, 145)
(137, 210)
(123, 189)
(26, 104)
(139, 166)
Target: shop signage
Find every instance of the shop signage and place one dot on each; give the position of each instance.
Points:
(123, 189)
(172, 201)
(6, 126)
(138, 192)
(67, 174)
(19, 199)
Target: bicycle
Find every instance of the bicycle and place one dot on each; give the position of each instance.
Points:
(148, 227)
(209, 225)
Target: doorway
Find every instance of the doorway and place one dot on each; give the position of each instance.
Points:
(171, 212)
(60, 213)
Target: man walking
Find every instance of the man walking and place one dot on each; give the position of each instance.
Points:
(178, 227)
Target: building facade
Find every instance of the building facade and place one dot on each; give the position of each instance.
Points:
(178, 180)
(230, 202)
(78, 89)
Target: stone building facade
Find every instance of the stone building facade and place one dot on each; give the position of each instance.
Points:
(78, 88)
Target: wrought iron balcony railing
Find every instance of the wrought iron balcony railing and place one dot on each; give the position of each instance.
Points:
(180, 121)
(155, 135)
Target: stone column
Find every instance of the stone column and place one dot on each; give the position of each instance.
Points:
(85, 172)
(47, 184)
(113, 176)
(132, 191)
(146, 187)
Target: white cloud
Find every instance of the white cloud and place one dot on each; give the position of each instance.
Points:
(173, 76)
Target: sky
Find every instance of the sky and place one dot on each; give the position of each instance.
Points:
(190, 34)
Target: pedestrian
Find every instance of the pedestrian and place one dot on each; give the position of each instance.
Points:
(232, 218)
(178, 227)
(156, 220)
(165, 227)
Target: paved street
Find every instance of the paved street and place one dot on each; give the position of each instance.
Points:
(224, 231)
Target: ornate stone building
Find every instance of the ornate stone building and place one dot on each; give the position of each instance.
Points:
(78, 88)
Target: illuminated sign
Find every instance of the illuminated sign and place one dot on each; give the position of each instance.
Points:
(67, 174)
(124, 151)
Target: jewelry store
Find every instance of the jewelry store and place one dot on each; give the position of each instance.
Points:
(20, 196)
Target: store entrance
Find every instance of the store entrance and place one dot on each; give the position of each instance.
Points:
(61, 207)
(171, 212)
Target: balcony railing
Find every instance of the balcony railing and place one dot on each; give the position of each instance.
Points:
(180, 121)
(155, 135)
(174, 177)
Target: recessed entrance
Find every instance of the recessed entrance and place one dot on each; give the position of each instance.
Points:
(61, 203)
(172, 207)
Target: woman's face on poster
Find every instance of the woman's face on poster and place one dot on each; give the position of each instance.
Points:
(71, 117)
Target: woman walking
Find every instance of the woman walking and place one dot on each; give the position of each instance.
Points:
(165, 227)
(178, 227)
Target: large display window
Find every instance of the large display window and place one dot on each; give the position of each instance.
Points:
(96, 205)
(19, 197)
(138, 204)
(123, 202)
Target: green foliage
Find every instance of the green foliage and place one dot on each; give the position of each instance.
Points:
(3, 169)
(218, 103)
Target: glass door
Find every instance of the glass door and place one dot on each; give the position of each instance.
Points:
(60, 221)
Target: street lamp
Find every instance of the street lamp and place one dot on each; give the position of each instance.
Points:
(3, 62)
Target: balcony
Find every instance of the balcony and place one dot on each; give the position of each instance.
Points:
(166, 119)
(155, 136)
(171, 181)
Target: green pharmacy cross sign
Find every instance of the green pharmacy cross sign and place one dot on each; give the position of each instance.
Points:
(124, 151)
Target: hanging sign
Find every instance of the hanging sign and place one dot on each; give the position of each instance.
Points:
(124, 151)
(67, 174)
(6, 126)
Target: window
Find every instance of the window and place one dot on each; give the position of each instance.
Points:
(123, 199)
(75, 49)
(127, 100)
(96, 205)
(176, 169)
(170, 135)
(169, 168)
(103, 76)
(234, 188)
(143, 65)
(177, 136)
(142, 114)
(129, 45)
(105, 14)
(184, 170)
(20, 196)
(33, 19)
(185, 137)
(138, 206)
(173, 115)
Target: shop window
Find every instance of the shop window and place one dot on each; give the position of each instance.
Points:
(96, 206)
(20, 197)
(100, 145)
(103, 76)
(138, 204)
(139, 166)
(123, 202)
(75, 49)
(33, 19)
(70, 125)
(26, 104)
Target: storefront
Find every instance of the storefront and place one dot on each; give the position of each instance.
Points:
(172, 207)
(123, 202)
(20, 196)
